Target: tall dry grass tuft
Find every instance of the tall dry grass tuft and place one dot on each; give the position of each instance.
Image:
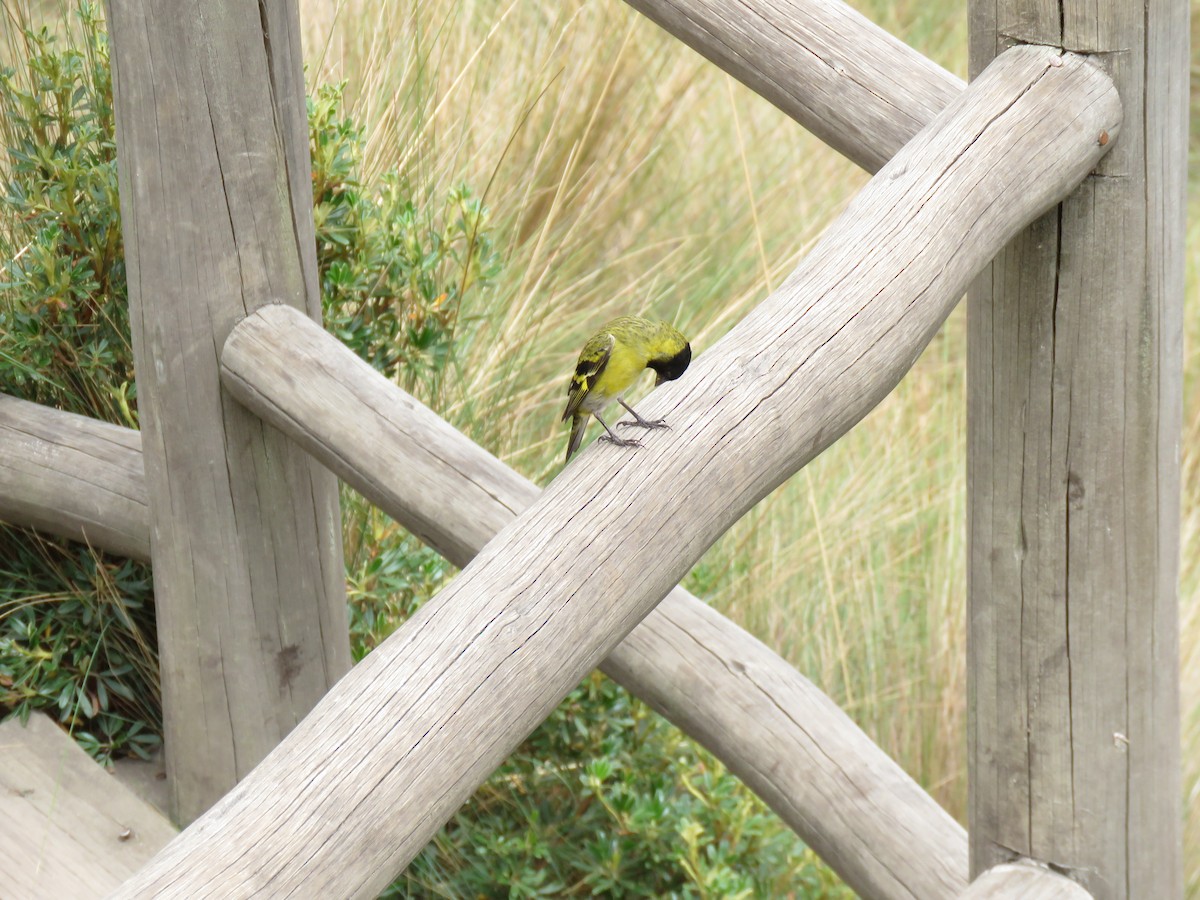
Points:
(624, 173)
(1189, 580)
(854, 570)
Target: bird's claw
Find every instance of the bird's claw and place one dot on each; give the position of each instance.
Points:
(620, 442)
(645, 423)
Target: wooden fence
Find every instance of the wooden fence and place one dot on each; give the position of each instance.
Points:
(1063, 161)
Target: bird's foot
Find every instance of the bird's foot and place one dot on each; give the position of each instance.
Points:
(620, 442)
(639, 422)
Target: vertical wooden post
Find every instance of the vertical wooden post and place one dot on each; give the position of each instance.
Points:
(246, 543)
(1075, 377)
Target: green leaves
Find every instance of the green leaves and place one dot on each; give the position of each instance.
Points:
(389, 574)
(393, 273)
(608, 799)
(64, 326)
(77, 640)
(76, 627)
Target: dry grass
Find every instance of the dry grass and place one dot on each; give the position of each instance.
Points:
(589, 128)
(626, 174)
(1189, 589)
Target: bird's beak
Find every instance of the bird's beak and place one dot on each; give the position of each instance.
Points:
(658, 379)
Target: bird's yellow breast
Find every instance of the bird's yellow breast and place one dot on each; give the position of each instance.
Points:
(620, 372)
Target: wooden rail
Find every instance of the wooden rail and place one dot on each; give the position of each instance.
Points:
(396, 746)
(782, 736)
(841, 76)
(769, 724)
(73, 476)
(1024, 880)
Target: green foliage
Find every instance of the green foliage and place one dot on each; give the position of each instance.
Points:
(393, 275)
(389, 574)
(64, 320)
(77, 640)
(606, 798)
(77, 632)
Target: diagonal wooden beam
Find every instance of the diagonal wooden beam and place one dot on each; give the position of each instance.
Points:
(786, 739)
(841, 76)
(359, 787)
(769, 724)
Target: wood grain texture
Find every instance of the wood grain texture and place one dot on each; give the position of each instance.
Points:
(789, 742)
(248, 573)
(845, 79)
(444, 488)
(69, 829)
(359, 787)
(1023, 880)
(73, 476)
(1074, 380)
(289, 103)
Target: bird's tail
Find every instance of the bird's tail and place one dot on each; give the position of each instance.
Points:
(578, 427)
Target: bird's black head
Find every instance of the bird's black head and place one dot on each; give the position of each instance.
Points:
(671, 367)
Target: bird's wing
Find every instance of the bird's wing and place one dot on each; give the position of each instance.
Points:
(591, 364)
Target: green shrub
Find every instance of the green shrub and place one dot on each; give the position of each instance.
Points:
(389, 573)
(76, 627)
(64, 311)
(78, 641)
(606, 798)
(393, 275)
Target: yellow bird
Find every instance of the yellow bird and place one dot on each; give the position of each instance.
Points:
(611, 362)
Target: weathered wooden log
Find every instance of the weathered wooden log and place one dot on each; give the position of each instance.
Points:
(845, 79)
(69, 830)
(1075, 382)
(769, 724)
(355, 791)
(73, 476)
(1023, 880)
(248, 574)
(788, 741)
